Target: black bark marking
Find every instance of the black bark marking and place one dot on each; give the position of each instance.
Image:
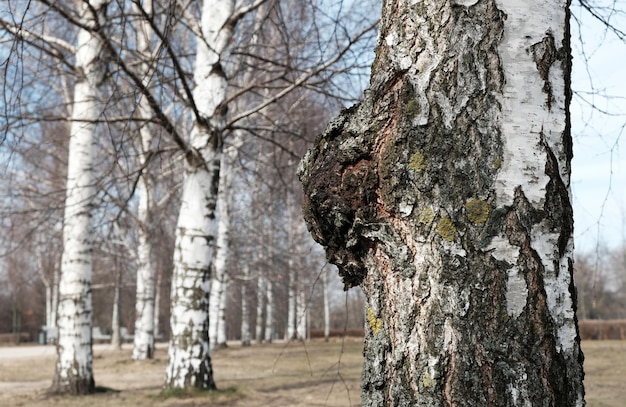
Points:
(545, 54)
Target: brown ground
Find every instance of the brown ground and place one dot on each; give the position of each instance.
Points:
(262, 375)
(266, 375)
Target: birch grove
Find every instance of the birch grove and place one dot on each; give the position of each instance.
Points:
(156, 118)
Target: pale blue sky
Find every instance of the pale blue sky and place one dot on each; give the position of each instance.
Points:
(599, 167)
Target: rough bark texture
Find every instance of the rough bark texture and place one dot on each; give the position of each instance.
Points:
(444, 194)
(74, 367)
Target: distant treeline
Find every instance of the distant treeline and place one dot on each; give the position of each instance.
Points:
(597, 329)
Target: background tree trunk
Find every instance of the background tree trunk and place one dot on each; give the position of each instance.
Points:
(290, 332)
(445, 195)
(74, 372)
(189, 359)
(245, 305)
(269, 311)
(260, 308)
(143, 342)
(326, 304)
(219, 278)
(116, 334)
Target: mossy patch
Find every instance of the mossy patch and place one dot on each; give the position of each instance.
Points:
(427, 381)
(497, 164)
(477, 211)
(446, 229)
(374, 322)
(413, 108)
(426, 216)
(417, 162)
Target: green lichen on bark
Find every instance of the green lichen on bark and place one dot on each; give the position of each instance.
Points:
(413, 108)
(426, 217)
(497, 163)
(373, 321)
(417, 162)
(477, 211)
(446, 229)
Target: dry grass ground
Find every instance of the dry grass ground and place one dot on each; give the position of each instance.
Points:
(318, 374)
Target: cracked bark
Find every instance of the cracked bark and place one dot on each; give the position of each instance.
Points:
(444, 195)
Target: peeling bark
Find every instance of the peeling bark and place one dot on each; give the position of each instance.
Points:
(444, 194)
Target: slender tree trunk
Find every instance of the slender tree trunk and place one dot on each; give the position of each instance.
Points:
(116, 336)
(143, 342)
(260, 308)
(48, 303)
(301, 313)
(326, 305)
(74, 372)
(189, 359)
(219, 279)
(292, 290)
(269, 311)
(55, 297)
(291, 300)
(269, 284)
(157, 305)
(445, 195)
(245, 310)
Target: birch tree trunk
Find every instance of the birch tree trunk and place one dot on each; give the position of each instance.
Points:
(326, 305)
(55, 297)
(445, 195)
(219, 279)
(189, 358)
(157, 302)
(291, 300)
(260, 308)
(301, 313)
(269, 284)
(245, 307)
(74, 372)
(143, 342)
(269, 311)
(116, 335)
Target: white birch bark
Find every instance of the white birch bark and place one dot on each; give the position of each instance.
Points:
(74, 372)
(260, 308)
(52, 331)
(291, 299)
(445, 196)
(51, 284)
(269, 311)
(189, 358)
(245, 306)
(326, 305)
(157, 302)
(49, 320)
(116, 336)
(143, 342)
(219, 279)
(301, 313)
